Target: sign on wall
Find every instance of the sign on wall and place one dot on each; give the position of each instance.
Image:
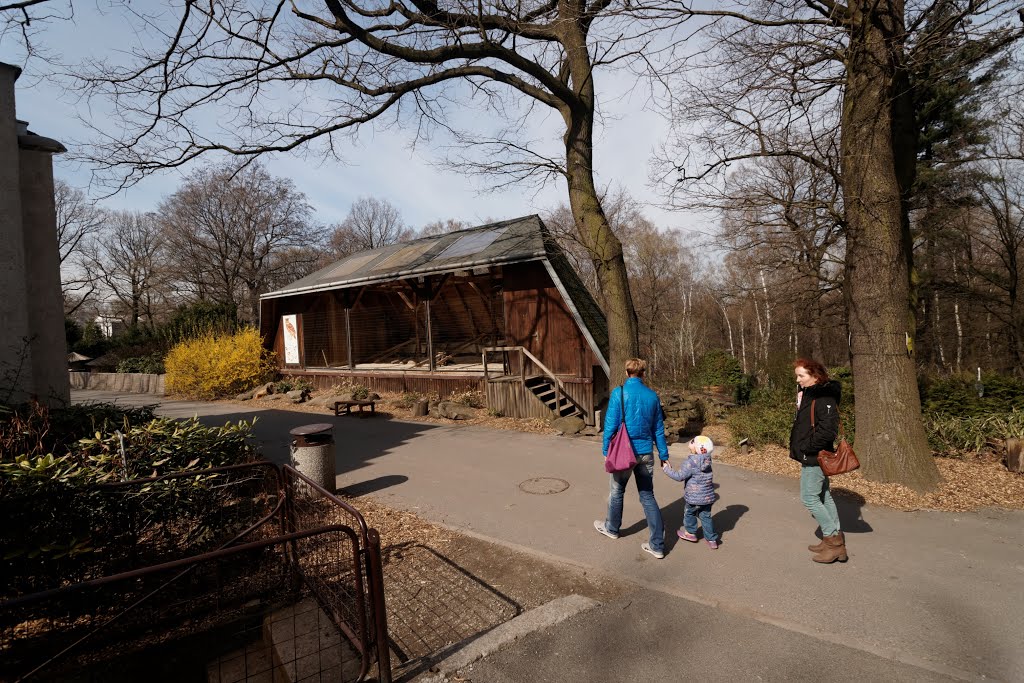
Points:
(291, 339)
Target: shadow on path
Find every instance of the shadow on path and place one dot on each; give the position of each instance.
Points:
(363, 488)
(850, 505)
(357, 441)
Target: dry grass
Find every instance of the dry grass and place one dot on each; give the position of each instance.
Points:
(966, 484)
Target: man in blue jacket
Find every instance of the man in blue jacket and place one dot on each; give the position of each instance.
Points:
(640, 409)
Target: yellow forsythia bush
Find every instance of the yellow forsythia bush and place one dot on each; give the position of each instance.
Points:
(218, 365)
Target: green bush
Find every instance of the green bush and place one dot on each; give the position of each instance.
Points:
(286, 384)
(195, 320)
(360, 393)
(716, 368)
(957, 395)
(153, 364)
(956, 436)
(408, 399)
(33, 430)
(766, 420)
(60, 524)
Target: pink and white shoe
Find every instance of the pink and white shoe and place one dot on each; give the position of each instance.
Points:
(686, 536)
(712, 544)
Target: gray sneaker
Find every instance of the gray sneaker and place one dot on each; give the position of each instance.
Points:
(602, 529)
(646, 547)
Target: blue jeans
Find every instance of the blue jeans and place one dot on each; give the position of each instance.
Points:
(644, 470)
(690, 514)
(816, 497)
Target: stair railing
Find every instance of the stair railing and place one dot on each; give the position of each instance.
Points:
(560, 390)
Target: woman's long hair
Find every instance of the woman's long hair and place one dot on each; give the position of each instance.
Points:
(813, 368)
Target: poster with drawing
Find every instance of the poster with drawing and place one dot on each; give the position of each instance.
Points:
(291, 339)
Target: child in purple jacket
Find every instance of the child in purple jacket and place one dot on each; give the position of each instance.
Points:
(699, 493)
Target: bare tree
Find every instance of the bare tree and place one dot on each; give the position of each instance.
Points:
(128, 260)
(370, 223)
(786, 70)
(79, 220)
(234, 230)
(356, 61)
(443, 227)
(999, 253)
(21, 21)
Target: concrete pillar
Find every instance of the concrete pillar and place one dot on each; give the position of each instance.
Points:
(33, 357)
(42, 271)
(15, 353)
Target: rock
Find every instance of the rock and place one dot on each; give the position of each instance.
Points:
(568, 425)
(590, 431)
(297, 396)
(275, 397)
(420, 408)
(245, 395)
(373, 397)
(451, 410)
(261, 392)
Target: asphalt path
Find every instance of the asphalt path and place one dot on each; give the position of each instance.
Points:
(924, 596)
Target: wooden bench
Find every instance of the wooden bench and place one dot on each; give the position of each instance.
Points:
(347, 405)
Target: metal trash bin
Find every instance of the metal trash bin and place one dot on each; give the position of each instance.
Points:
(313, 453)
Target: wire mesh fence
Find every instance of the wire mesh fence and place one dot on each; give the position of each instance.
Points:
(397, 327)
(254, 566)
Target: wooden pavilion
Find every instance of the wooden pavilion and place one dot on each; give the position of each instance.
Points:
(497, 308)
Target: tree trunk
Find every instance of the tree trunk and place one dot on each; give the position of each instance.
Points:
(591, 222)
(878, 170)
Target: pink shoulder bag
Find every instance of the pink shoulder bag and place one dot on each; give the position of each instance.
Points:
(621, 456)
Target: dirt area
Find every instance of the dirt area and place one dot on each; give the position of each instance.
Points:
(525, 579)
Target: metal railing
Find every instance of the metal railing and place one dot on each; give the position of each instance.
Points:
(262, 538)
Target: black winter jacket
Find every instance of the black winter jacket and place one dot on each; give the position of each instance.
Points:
(805, 442)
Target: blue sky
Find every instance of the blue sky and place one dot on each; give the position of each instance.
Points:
(381, 164)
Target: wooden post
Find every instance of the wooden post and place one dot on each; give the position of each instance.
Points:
(484, 355)
(430, 341)
(348, 337)
(1014, 462)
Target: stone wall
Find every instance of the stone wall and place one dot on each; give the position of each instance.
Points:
(125, 382)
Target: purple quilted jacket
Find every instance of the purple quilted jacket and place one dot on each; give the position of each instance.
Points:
(696, 472)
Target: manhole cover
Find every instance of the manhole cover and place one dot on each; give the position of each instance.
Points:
(543, 486)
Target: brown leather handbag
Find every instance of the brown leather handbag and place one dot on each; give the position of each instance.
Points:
(841, 461)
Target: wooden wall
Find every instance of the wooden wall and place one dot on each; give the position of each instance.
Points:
(511, 398)
(537, 319)
(442, 384)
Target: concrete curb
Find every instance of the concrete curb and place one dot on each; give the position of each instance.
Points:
(545, 616)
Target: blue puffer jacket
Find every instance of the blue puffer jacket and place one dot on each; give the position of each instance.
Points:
(696, 472)
(644, 420)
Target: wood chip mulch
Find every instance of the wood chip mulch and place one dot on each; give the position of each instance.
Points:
(966, 484)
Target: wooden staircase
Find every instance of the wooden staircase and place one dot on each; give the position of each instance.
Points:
(559, 404)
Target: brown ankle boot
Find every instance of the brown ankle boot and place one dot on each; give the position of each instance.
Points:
(835, 549)
(821, 545)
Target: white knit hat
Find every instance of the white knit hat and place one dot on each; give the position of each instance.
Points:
(703, 444)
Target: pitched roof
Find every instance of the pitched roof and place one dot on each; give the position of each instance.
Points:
(512, 241)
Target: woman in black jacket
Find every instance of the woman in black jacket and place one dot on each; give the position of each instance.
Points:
(815, 429)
